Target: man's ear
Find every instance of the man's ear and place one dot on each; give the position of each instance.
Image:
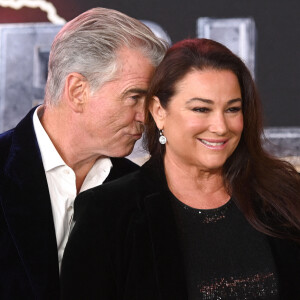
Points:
(158, 112)
(76, 91)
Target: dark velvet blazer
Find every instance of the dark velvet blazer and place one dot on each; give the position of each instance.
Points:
(124, 244)
(28, 251)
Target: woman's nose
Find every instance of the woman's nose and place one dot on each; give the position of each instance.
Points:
(218, 124)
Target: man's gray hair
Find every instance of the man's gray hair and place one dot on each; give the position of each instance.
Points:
(89, 44)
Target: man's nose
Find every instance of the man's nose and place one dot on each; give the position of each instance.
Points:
(140, 112)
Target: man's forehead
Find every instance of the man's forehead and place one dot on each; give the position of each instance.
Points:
(136, 81)
(127, 58)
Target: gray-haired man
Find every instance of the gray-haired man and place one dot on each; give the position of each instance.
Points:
(99, 69)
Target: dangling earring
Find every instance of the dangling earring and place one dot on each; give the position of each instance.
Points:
(162, 139)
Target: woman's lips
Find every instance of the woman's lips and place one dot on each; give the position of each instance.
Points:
(214, 144)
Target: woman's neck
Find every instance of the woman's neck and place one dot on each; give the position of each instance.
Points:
(202, 189)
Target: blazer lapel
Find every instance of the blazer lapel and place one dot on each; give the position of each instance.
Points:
(168, 258)
(28, 212)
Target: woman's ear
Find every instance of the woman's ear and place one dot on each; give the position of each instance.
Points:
(76, 91)
(158, 112)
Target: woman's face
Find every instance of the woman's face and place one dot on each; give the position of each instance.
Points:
(203, 122)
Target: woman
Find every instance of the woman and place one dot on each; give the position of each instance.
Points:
(210, 215)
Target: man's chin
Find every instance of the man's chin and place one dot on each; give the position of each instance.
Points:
(123, 152)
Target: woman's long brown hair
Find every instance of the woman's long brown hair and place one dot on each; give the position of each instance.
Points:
(266, 189)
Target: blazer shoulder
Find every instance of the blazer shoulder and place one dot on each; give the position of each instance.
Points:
(121, 167)
(6, 139)
(124, 163)
(137, 184)
(124, 194)
(119, 188)
(120, 195)
(20, 138)
(5, 145)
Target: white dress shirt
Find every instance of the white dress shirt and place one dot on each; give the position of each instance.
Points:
(61, 181)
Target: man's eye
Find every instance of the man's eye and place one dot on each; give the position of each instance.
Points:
(135, 97)
(201, 109)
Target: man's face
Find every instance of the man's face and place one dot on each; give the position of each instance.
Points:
(113, 116)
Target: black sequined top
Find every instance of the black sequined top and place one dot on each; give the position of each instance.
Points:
(224, 256)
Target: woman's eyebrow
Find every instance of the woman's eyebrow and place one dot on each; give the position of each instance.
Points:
(200, 99)
(208, 101)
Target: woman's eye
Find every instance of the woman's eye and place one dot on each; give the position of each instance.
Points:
(234, 109)
(201, 109)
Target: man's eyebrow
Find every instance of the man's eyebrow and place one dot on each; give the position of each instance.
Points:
(135, 91)
(208, 101)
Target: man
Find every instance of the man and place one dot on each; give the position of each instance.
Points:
(100, 65)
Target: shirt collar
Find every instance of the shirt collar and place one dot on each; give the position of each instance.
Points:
(50, 157)
(97, 174)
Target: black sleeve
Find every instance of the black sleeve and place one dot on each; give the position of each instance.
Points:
(86, 271)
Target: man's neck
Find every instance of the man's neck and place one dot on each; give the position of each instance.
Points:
(59, 126)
